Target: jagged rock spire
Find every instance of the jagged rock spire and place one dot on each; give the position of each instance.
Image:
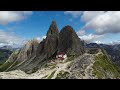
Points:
(53, 29)
(52, 39)
(69, 42)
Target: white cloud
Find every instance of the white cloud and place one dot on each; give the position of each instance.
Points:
(98, 42)
(102, 22)
(89, 15)
(44, 37)
(81, 33)
(75, 14)
(114, 42)
(9, 38)
(12, 16)
(40, 38)
(90, 38)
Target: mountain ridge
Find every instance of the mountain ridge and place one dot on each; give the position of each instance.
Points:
(86, 66)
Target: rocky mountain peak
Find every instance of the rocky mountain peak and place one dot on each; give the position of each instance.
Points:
(68, 28)
(53, 29)
(52, 39)
(28, 51)
(69, 42)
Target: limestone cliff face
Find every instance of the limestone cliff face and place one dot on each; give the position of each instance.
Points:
(41, 48)
(25, 53)
(51, 44)
(22, 55)
(28, 51)
(69, 42)
(53, 30)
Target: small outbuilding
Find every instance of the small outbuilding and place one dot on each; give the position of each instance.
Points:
(61, 56)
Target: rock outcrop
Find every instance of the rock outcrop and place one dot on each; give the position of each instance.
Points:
(51, 44)
(41, 47)
(22, 55)
(69, 42)
(28, 51)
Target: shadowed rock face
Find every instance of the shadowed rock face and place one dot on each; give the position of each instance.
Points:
(51, 44)
(41, 47)
(69, 42)
(66, 41)
(53, 30)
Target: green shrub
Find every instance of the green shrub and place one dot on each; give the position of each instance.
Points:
(51, 75)
(93, 51)
(62, 75)
(44, 77)
(5, 66)
(103, 66)
(34, 70)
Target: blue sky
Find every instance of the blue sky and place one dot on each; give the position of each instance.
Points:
(91, 26)
(37, 24)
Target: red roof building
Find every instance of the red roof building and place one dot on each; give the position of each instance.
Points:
(61, 56)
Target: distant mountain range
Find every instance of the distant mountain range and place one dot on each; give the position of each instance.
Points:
(7, 47)
(5, 53)
(112, 50)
